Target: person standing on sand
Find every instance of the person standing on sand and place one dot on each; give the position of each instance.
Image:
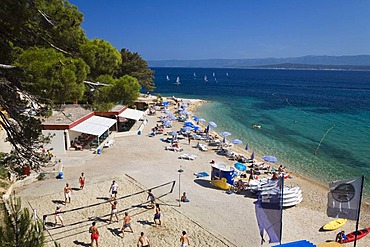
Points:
(126, 223)
(67, 193)
(152, 198)
(113, 189)
(184, 239)
(143, 241)
(189, 139)
(94, 234)
(82, 181)
(58, 215)
(114, 211)
(157, 215)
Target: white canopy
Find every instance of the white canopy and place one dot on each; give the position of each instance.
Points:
(132, 114)
(94, 125)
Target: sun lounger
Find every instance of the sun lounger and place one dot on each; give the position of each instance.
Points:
(175, 149)
(201, 174)
(202, 147)
(188, 157)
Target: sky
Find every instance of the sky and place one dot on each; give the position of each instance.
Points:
(230, 29)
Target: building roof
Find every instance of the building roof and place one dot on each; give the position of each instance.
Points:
(67, 115)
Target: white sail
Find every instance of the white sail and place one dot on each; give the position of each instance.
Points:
(168, 78)
(205, 78)
(195, 75)
(214, 74)
(227, 74)
(178, 80)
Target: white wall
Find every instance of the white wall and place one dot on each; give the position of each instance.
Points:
(57, 141)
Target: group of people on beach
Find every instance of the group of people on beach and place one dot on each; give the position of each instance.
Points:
(113, 190)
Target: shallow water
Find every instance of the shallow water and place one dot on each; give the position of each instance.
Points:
(296, 109)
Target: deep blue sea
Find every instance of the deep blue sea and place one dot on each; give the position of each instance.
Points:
(300, 111)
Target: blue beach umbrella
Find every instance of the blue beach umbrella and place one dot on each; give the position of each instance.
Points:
(195, 118)
(188, 123)
(246, 147)
(196, 127)
(240, 166)
(187, 128)
(213, 124)
(236, 141)
(271, 159)
(225, 133)
(252, 156)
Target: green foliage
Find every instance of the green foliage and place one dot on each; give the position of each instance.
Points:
(133, 65)
(101, 56)
(52, 75)
(124, 90)
(28, 23)
(19, 229)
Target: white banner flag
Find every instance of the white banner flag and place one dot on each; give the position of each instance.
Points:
(344, 198)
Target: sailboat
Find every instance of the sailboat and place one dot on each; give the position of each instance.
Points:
(214, 74)
(168, 78)
(227, 74)
(205, 78)
(177, 81)
(195, 76)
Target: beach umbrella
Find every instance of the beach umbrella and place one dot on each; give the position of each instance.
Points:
(172, 117)
(240, 166)
(157, 107)
(187, 128)
(165, 103)
(202, 120)
(173, 133)
(269, 158)
(195, 118)
(236, 141)
(196, 127)
(252, 156)
(213, 124)
(188, 123)
(246, 147)
(224, 134)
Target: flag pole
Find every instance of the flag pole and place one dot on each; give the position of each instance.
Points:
(358, 211)
(281, 214)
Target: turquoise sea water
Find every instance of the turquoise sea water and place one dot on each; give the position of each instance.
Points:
(296, 109)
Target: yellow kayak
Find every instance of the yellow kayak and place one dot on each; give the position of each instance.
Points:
(334, 224)
(221, 183)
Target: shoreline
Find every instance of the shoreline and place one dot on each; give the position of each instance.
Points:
(211, 217)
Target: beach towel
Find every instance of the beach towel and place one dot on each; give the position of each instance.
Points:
(201, 174)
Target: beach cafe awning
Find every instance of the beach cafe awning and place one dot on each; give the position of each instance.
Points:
(95, 125)
(132, 114)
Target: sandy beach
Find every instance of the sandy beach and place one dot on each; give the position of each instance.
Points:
(137, 163)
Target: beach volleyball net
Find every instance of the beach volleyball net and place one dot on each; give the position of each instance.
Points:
(80, 217)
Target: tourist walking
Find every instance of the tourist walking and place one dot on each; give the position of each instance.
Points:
(82, 181)
(113, 190)
(94, 234)
(157, 215)
(126, 223)
(67, 193)
(58, 215)
(143, 241)
(184, 239)
(114, 211)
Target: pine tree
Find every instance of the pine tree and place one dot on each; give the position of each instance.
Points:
(19, 229)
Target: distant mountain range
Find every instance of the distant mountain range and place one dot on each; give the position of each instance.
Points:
(306, 62)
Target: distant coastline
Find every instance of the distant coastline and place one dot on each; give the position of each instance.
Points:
(356, 62)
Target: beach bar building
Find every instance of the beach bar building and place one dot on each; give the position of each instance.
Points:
(74, 127)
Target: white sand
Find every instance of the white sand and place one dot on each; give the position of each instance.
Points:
(211, 218)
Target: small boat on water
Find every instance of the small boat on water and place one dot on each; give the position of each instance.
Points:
(167, 78)
(256, 126)
(178, 81)
(205, 78)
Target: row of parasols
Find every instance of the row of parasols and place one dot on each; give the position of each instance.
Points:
(224, 134)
